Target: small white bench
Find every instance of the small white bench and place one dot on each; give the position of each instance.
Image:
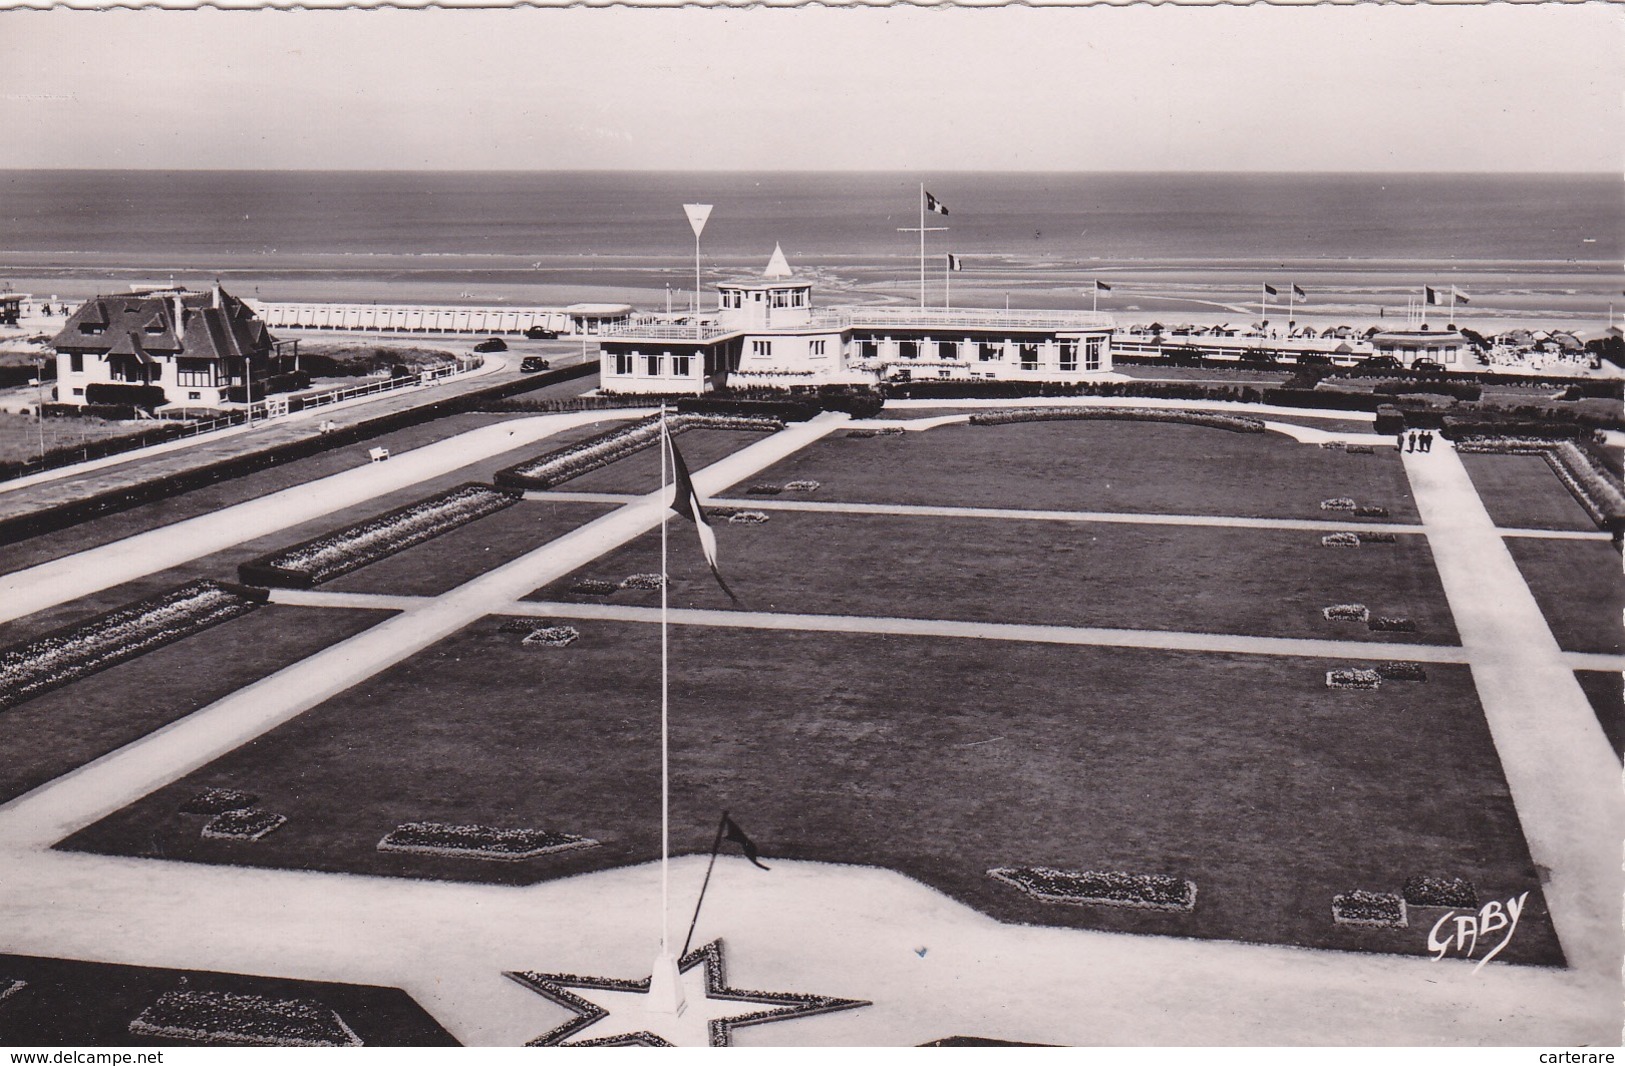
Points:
(378, 454)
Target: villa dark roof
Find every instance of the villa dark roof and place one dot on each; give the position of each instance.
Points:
(212, 325)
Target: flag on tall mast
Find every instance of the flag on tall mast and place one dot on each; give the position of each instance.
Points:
(697, 214)
(927, 203)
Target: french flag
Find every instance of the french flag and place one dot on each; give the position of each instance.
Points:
(933, 204)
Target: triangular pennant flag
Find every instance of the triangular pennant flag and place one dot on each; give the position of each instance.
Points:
(778, 266)
(697, 214)
(732, 832)
(686, 502)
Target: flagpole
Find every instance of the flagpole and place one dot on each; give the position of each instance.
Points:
(947, 282)
(716, 845)
(922, 245)
(1291, 294)
(665, 979)
(1094, 303)
(1263, 309)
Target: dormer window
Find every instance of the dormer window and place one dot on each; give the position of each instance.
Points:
(90, 330)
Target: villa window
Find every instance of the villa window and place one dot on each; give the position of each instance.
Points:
(816, 349)
(651, 364)
(76, 362)
(1068, 354)
(761, 349)
(1092, 350)
(194, 372)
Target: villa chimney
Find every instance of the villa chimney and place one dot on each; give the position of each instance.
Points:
(179, 308)
(217, 294)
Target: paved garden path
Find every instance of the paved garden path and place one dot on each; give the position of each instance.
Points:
(24, 592)
(1564, 778)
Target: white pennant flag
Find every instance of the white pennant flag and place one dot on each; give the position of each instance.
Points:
(697, 214)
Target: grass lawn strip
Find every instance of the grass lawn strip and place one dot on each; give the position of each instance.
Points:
(1577, 585)
(1120, 467)
(66, 655)
(1236, 772)
(1605, 691)
(585, 456)
(1521, 492)
(1104, 575)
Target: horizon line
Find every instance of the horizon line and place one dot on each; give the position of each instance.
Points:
(741, 171)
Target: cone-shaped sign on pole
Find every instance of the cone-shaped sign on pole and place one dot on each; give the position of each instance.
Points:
(697, 214)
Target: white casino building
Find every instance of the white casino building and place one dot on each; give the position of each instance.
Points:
(767, 332)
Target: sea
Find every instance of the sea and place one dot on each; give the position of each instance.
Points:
(1510, 244)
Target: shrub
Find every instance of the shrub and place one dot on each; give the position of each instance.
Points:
(1369, 908)
(1324, 399)
(1148, 891)
(1376, 537)
(1402, 672)
(1371, 512)
(146, 396)
(592, 586)
(1460, 390)
(1353, 677)
(1360, 449)
(644, 582)
(573, 460)
(764, 490)
(747, 518)
(293, 381)
(1423, 891)
(1391, 625)
(887, 431)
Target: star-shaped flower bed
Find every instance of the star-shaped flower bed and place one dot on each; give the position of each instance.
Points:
(612, 1012)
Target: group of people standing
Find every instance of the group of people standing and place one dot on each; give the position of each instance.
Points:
(1416, 440)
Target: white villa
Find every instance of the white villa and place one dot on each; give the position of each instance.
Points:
(766, 331)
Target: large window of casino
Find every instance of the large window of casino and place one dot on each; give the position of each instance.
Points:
(908, 349)
(988, 352)
(680, 364)
(868, 349)
(761, 349)
(817, 349)
(623, 363)
(1067, 353)
(781, 298)
(1093, 347)
(651, 364)
(1029, 356)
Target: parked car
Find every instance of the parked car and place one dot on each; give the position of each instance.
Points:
(492, 344)
(1381, 362)
(1427, 366)
(537, 333)
(530, 364)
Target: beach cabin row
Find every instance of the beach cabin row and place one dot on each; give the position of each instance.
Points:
(766, 331)
(574, 320)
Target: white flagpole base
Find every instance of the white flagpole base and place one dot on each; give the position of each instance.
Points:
(666, 987)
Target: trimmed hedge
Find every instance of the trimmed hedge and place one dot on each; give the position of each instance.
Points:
(1211, 420)
(560, 465)
(1466, 391)
(147, 396)
(1004, 390)
(1326, 399)
(1594, 487)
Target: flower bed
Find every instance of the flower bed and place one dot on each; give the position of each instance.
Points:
(326, 557)
(557, 467)
(592, 586)
(232, 1018)
(551, 637)
(644, 582)
(1339, 503)
(1353, 677)
(1340, 540)
(747, 518)
(524, 626)
(764, 490)
(10, 986)
(1371, 512)
(887, 431)
(1332, 445)
(479, 841)
(1212, 420)
(1378, 537)
(250, 824)
(1346, 612)
(1360, 449)
(68, 654)
(1422, 891)
(1369, 908)
(1391, 625)
(1148, 891)
(1402, 672)
(801, 486)
(219, 801)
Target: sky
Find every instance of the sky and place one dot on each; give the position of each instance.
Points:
(1369, 87)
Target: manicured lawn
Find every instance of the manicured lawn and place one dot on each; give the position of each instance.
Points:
(224, 494)
(70, 726)
(1606, 691)
(93, 1003)
(20, 434)
(1521, 492)
(1578, 587)
(465, 553)
(1204, 579)
(1099, 466)
(640, 472)
(937, 758)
